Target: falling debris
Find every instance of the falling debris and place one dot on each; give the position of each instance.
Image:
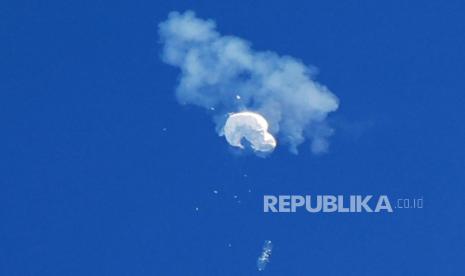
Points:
(238, 97)
(264, 258)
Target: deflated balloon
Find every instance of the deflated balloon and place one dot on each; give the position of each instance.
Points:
(252, 127)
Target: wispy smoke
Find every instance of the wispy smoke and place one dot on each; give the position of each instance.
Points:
(223, 74)
(264, 257)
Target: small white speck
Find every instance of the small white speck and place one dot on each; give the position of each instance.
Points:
(238, 97)
(196, 208)
(245, 175)
(215, 192)
(212, 108)
(164, 129)
(229, 245)
(250, 190)
(235, 196)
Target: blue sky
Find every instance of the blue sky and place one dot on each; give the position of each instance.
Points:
(91, 184)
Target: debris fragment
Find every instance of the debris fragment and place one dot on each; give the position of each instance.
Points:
(264, 258)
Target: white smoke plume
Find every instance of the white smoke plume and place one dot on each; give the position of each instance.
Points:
(224, 75)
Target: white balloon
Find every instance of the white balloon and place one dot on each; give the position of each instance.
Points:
(250, 126)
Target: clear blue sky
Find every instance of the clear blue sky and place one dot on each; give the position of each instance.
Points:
(90, 184)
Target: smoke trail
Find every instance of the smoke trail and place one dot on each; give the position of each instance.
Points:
(223, 74)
